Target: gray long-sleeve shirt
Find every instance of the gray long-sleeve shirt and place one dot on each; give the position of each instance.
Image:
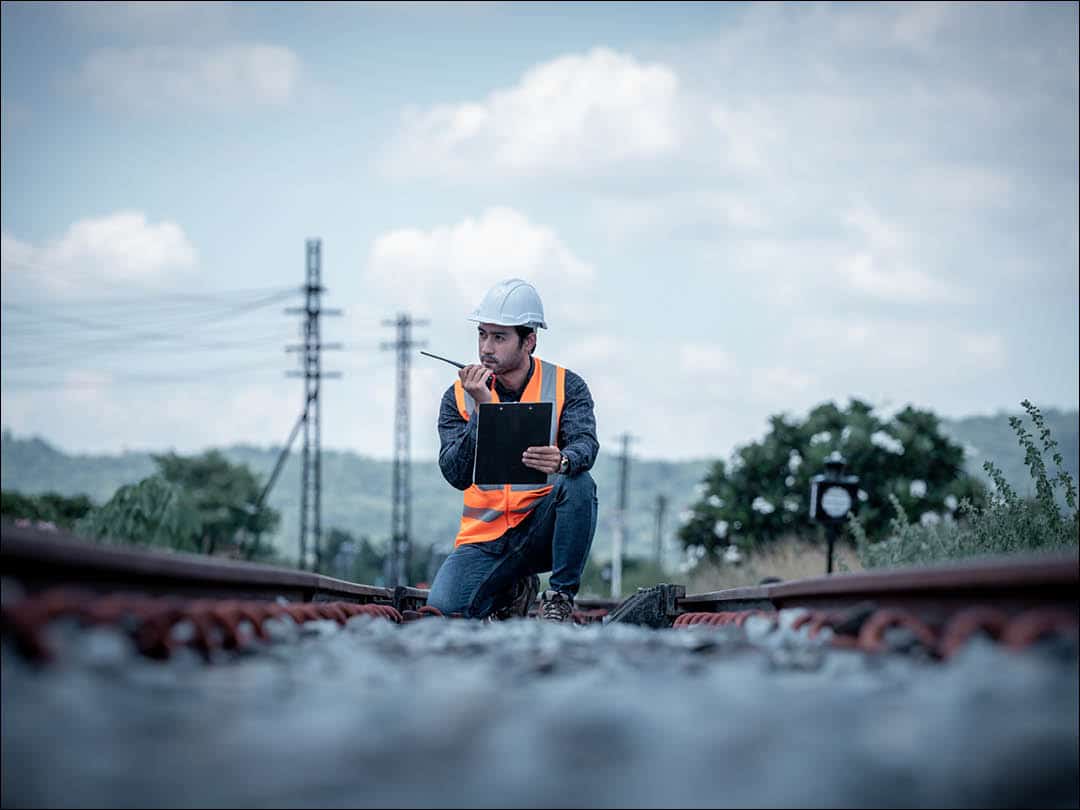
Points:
(576, 439)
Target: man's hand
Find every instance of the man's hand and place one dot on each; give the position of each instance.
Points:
(474, 380)
(545, 459)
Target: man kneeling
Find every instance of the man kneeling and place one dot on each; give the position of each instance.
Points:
(510, 534)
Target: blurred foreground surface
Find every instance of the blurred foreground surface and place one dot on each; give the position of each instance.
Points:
(461, 714)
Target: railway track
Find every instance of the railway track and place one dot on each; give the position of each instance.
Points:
(852, 690)
(49, 574)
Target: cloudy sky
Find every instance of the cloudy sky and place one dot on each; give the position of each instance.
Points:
(729, 210)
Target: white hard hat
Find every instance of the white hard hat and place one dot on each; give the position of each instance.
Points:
(513, 302)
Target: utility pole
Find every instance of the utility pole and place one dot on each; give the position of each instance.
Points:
(310, 417)
(661, 507)
(401, 512)
(620, 517)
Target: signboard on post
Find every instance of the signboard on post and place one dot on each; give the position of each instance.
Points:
(832, 497)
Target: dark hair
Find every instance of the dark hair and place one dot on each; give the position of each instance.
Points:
(523, 332)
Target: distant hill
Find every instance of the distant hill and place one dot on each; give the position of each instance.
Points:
(356, 489)
(989, 438)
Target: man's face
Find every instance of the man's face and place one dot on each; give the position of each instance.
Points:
(501, 349)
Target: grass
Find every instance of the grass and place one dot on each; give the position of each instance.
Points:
(1009, 524)
(788, 558)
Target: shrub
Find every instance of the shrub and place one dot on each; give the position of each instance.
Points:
(153, 512)
(763, 494)
(1007, 524)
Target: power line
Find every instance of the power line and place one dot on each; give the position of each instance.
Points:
(15, 361)
(175, 295)
(199, 329)
(22, 320)
(133, 335)
(45, 319)
(104, 276)
(401, 512)
(139, 379)
(182, 297)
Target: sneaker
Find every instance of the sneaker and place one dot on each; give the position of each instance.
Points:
(521, 599)
(556, 606)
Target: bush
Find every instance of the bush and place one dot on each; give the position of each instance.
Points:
(762, 496)
(51, 507)
(1007, 524)
(153, 512)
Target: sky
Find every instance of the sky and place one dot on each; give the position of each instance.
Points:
(729, 210)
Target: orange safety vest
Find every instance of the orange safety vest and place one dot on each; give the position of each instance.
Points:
(491, 509)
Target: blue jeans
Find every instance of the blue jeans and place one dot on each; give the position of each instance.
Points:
(556, 537)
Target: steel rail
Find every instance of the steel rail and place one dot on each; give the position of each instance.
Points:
(39, 559)
(934, 592)
(937, 598)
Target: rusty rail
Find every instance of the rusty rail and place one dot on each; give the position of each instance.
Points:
(933, 592)
(1017, 601)
(166, 599)
(40, 559)
(48, 574)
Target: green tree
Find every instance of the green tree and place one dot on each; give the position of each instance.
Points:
(763, 494)
(15, 505)
(58, 509)
(226, 496)
(153, 512)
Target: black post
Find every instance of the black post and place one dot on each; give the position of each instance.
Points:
(661, 506)
(832, 529)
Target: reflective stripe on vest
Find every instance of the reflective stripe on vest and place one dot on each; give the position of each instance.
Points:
(490, 509)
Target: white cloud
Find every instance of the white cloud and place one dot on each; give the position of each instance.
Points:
(957, 186)
(118, 248)
(94, 412)
(881, 269)
(14, 115)
(879, 233)
(598, 349)
(664, 213)
(872, 347)
(917, 24)
(893, 284)
(158, 78)
(987, 350)
(752, 135)
(830, 195)
(776, 385)
(575, 112)
(906, 26)
(455, 264)
(706, 360)
(851, 268)
(161, 19)
(86, 388)
(14, 255)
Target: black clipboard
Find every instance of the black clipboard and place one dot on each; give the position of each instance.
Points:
(503, 432)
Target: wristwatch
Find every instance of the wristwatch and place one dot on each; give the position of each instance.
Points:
(564, 465)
